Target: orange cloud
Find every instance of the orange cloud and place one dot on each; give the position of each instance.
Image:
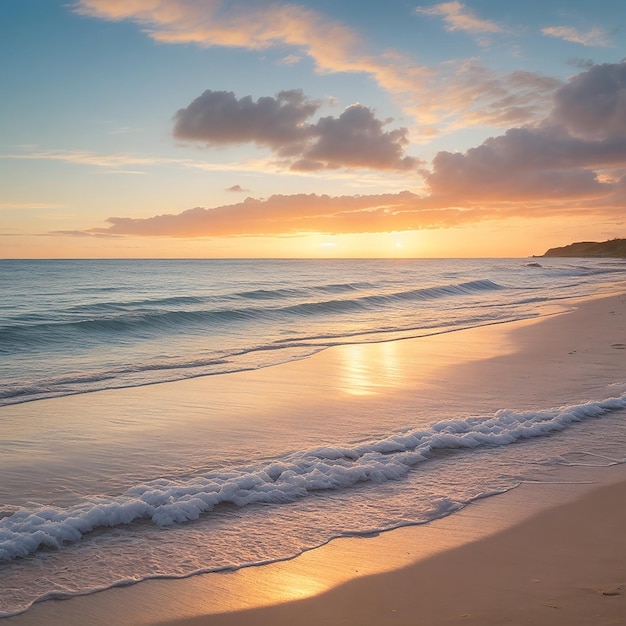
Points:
(298, 214)
(595, 37)
(432, 97)
(236, 24)
(470, 94)
(592, 105)
(457, 16)
(279, 214)
(83, 157)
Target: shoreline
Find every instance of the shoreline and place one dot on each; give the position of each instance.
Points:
(550, 553)
(326, 576)
(546, 311)
(562, 565)
(551, 309)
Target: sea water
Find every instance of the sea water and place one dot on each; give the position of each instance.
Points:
(208, 496)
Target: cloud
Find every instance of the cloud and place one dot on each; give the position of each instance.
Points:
(581, 64)
(596, 37)
(457, 16)
(29, 206)
(291, 59)
(219, 118)
(237, 24)
(513, 168)
(83, 157)
(79, 233)
(356, 138)
(471, 94)
(278, 215)
(572, 163)
(593, 104)
(296, 214)
(112, 163)
(432, 97)
(574, 153)
(236, 189)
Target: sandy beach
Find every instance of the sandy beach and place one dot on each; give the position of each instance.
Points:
(553, 552)
(312, 313)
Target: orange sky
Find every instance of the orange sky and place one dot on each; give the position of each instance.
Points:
(177, 128)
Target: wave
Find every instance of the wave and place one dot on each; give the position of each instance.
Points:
(116, 321)
(274, 294)
(165, 502)
(383, 300)
(124, 305)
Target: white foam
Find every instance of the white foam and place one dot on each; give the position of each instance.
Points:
(174, 501)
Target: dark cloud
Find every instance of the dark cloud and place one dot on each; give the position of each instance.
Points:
(357, 138)
(582, 64)
(583, 138)
(459, 178)
(219, 118)
(307, 165)
(526, 163)
(593, 104)
(236, 189)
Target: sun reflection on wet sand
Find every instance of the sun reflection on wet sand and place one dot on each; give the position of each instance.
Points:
(366, 368)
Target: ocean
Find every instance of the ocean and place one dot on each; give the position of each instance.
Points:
(124, 489)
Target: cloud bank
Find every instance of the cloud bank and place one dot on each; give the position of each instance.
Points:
(573, 162)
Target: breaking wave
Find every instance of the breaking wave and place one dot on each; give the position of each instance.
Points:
(165, 501)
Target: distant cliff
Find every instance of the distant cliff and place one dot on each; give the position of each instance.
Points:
(611, 248)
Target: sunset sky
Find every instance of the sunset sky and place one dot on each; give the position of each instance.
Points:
(244, 128)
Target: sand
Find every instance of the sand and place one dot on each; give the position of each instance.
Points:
(541, 554)
(566, 565)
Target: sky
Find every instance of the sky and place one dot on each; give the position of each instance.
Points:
(249, 128)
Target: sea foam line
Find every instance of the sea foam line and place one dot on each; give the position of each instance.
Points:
(166, 502)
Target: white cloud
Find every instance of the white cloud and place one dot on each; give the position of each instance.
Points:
(596, 37)
(457, 16)
(83, 157)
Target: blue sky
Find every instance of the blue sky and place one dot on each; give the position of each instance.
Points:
(139, 108)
